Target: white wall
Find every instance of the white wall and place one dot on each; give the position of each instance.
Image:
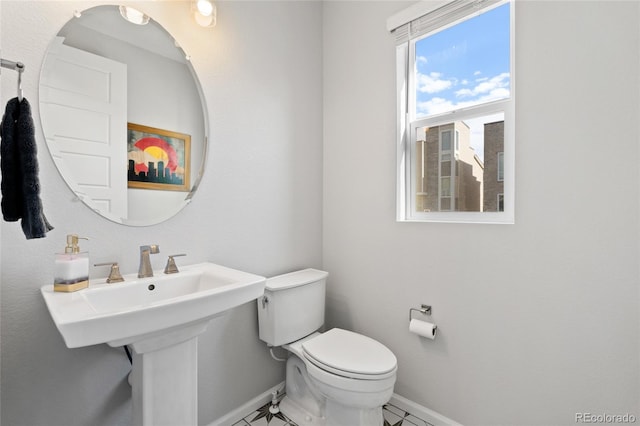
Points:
(538, 320)
(258, 208)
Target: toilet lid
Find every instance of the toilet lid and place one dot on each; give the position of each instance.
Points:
(350, 354)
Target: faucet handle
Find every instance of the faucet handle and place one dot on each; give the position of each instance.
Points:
(114, 274)
(171, 267)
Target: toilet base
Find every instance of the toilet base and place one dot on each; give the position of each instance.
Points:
(337, 415)
(340, 415)
(306, 404)
(299, 415)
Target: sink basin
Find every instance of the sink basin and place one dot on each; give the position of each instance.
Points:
(160, 319)
(122, 313)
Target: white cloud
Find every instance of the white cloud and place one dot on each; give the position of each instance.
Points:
(434, 106)
(497, 93)
(463, 93)
(486, 90)
(494, 87)
(432, 83)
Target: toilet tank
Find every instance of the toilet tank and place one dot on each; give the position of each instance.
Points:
(292, 306)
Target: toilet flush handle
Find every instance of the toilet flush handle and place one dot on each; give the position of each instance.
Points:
(265, 302)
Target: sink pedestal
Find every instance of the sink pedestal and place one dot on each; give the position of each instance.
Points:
(165, 377)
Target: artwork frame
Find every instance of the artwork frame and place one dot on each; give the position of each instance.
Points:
(158, 159)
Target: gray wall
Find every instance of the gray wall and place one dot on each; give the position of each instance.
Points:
(538, 320)
(258, 208)
(548, 329)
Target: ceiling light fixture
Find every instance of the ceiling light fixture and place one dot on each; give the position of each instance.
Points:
(134, 15)
(204, 12)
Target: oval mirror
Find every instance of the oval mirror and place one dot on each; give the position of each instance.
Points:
(123, 116)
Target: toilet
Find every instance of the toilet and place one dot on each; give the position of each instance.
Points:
(333, 378)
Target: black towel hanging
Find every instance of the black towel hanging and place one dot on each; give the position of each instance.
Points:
(20, 185)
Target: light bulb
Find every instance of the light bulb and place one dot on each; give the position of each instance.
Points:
(205, 7)
(204, 12)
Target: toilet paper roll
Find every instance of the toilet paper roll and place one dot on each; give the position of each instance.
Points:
(423, 328)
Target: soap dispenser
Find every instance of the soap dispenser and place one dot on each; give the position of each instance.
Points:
(72, 267)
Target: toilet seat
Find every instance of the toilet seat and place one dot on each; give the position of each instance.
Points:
(348, 354)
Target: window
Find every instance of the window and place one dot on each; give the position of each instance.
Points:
(456, 132)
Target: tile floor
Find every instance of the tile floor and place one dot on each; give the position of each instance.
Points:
(393, 416)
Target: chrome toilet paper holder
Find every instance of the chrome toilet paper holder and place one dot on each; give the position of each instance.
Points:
(423, 309)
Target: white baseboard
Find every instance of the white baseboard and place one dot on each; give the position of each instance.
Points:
(401, 402)
(240, 412)
(422, 412)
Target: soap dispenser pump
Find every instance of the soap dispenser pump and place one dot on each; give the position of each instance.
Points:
(71, 267)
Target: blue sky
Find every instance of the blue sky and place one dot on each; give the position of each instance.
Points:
(464, 65)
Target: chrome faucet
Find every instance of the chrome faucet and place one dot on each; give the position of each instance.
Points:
(145, 269)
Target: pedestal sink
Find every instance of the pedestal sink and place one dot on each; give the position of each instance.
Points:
(160, 318)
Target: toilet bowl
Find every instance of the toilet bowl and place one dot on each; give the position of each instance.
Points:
(339, 378)
(335, 378)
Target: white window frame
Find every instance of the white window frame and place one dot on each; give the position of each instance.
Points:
(401, 25)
